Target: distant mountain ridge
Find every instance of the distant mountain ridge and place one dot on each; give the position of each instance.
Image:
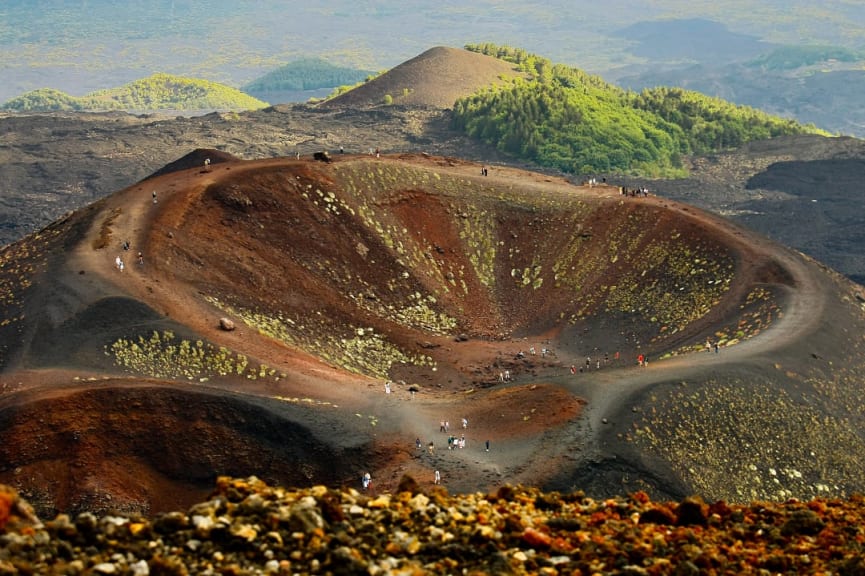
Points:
(303, 75)
(156, 92)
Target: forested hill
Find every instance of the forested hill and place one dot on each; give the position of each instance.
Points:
(156, 92)
(564, 118)
(306, 74)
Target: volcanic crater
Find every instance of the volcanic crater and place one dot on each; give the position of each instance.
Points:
(264, 306)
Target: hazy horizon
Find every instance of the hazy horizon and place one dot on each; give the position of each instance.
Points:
(86, 45)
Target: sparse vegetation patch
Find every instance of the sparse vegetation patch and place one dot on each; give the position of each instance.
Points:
(20, 264)
(742, 441)
(358, 349)
(163, 355)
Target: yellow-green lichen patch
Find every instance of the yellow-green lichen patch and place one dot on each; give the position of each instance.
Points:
(530, 276)
(356, 349)
(757, 313)
(672, 284)
(19, 263)
(478, 232)
(163, 355)
(418, 312)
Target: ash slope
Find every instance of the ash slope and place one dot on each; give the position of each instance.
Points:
(435, 78)
(121, 392)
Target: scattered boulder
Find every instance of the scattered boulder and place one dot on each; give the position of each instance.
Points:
(226, 324)
(804, 522)
(658, 515)
(408, 484)
(692, 511)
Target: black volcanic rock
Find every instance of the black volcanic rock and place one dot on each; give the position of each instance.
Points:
(198, 158)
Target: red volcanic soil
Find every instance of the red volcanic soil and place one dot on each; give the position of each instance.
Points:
(342, 276)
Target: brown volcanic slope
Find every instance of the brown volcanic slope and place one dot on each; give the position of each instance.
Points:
(436, 78)
(121, 392)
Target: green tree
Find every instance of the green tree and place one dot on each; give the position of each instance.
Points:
(306, 74)
(565, 118)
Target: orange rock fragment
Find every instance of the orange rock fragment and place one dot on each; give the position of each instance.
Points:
(536, 539)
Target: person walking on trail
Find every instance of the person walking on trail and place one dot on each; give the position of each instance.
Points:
(154, 196)
(487, 445)
(438, 477)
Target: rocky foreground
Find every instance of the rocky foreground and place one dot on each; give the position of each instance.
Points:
(248, 527)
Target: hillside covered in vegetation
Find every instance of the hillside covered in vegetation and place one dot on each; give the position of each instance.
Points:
(792, 57)
(156, 92)
(564, 118)
(306, 74)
